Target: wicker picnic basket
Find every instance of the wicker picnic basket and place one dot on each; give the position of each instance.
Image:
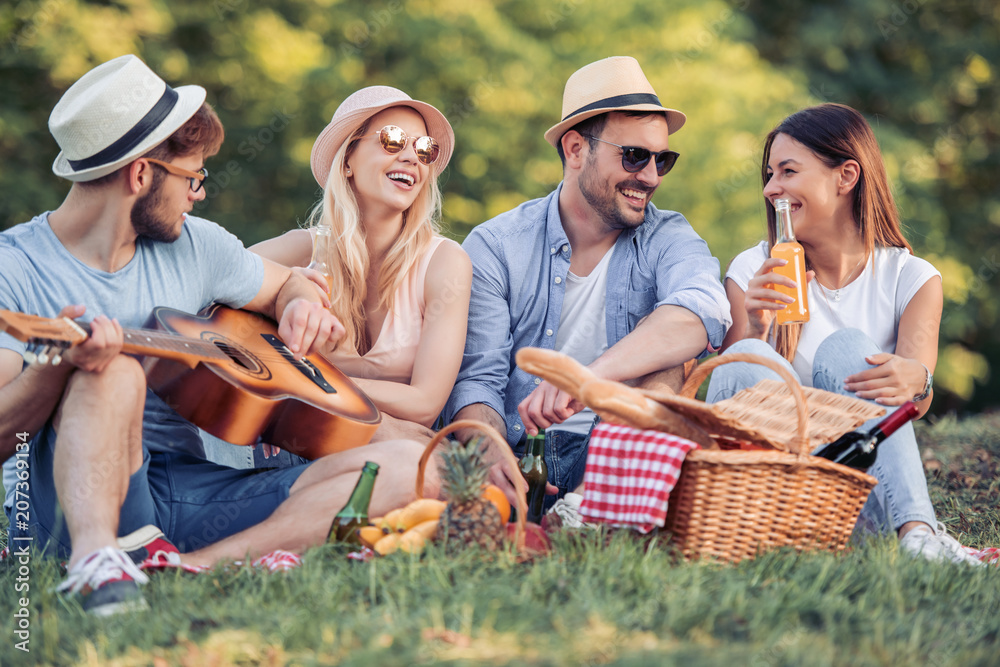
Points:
(731, 504)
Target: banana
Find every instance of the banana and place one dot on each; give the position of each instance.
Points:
(419, 511)
(370, 535)
(412, 542)
(425, 528)
(387, 544)
(388, 522)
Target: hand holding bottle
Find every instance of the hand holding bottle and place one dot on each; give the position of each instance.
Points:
(321, 280)
(761, 300)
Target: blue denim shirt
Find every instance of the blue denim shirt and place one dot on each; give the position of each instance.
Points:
(520, 260)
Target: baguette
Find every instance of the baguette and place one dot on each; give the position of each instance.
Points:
(611, 400)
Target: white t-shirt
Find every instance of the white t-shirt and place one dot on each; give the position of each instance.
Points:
(889, 280)
(583, 331)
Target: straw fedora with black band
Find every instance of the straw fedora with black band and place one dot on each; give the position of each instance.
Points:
(362, 105)
(114, 114)
(612, 84)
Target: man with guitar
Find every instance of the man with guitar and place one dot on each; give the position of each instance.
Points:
(99, 456)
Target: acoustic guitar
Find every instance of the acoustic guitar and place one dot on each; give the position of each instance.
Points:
(227, 372)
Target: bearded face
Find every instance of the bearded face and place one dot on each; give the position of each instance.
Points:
(150, 217)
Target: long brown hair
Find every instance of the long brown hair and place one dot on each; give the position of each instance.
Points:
(836, 133)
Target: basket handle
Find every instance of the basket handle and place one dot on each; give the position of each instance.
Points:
(693, 382)
(506, 458)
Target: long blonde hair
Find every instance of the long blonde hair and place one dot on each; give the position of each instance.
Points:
(836, 133)
(349, 262)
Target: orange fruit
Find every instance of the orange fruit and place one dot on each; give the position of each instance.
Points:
(495, 495)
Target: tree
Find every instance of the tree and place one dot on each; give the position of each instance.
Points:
(275, 70)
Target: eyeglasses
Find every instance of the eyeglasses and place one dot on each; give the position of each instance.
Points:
(635, 158)
(393, 140)
(197, 178)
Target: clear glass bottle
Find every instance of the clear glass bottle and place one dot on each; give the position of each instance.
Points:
(789, 249)
(321, 254)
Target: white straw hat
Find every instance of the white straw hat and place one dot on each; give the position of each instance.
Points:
(362, 105)
(114, 114)
(612, 84)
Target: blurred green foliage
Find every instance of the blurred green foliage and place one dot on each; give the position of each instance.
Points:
(276, 70)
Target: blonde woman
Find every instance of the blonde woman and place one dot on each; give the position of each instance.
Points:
(400, 289)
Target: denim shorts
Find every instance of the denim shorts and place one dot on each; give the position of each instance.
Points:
(193, 501)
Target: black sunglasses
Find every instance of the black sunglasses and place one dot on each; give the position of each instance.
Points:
(635, 158)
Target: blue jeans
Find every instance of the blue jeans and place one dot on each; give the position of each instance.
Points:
(901, 493)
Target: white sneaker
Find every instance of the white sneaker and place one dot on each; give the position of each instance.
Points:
(107, 582)
(935, 545)
(567, 509)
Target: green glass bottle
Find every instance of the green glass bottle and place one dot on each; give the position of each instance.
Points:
(354, 515)
(536, 473)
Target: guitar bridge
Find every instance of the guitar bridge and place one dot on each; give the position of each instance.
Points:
(303, 365)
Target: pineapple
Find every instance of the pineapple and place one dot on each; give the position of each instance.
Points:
(469, 518)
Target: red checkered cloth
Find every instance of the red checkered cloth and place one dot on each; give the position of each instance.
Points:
(990, 555)
(630, 474)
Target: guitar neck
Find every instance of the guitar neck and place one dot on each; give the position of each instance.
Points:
(165, 345)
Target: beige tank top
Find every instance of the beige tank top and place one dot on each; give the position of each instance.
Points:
(395, 350)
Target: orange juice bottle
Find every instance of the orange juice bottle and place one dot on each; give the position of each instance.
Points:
(789, 249)
(322, 249)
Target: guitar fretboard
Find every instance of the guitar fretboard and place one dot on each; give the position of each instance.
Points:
(139, 341)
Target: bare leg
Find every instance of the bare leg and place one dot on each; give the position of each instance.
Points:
(304, 519)
(910, 525)
(98, 446)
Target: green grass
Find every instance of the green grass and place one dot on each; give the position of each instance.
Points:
(627, 602)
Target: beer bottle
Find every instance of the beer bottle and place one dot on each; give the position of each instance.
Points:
(536, 473)
(354, 515)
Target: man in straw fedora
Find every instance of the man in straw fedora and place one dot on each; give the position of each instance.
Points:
(101, 461)
(593, 270)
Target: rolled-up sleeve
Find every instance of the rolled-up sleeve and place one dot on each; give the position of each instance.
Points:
(687, 275)
(486, 364)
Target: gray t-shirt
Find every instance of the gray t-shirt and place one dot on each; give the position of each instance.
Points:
(207, 264)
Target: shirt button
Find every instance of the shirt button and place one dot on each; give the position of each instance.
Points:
(552, 251)
(538, 381)
(517, 427)
(558, 280)
(548, 332)
(565, 248)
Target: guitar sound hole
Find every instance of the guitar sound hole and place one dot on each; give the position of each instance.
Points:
(244, 361)
(236, 355)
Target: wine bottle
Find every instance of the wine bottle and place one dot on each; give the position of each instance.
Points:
(859, 450)
(536, 473)
(789, 249)
(322, 249)
(354, 514)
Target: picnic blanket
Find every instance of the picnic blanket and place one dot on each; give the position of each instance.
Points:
(630, 474)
